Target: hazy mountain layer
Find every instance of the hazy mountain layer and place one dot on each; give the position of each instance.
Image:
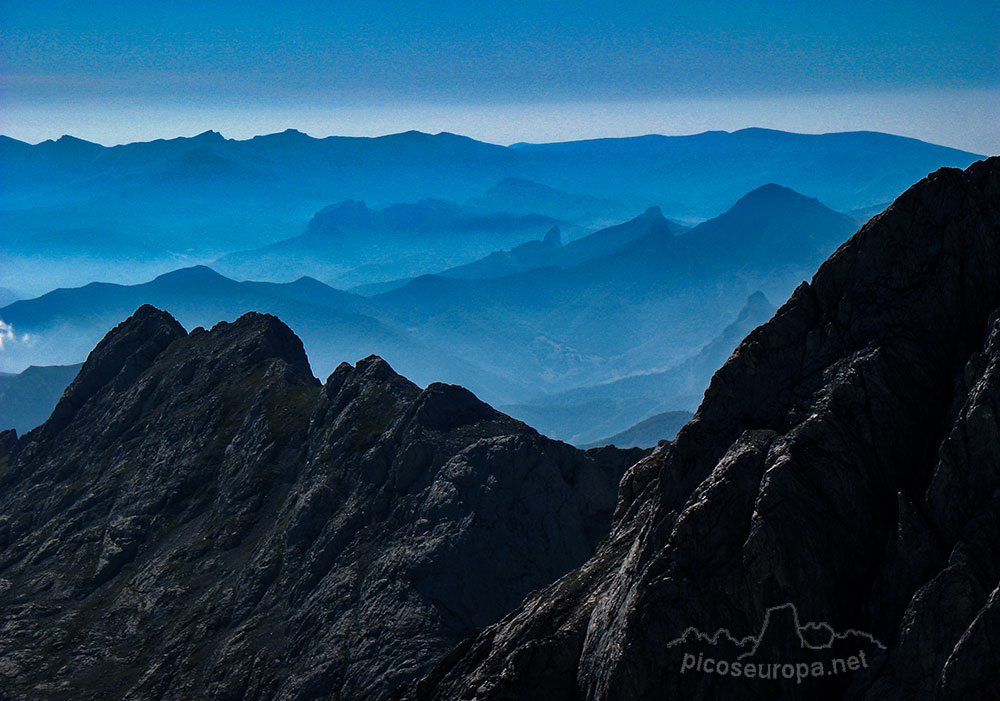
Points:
(526, 197)
(550, 251)
(629, 299)
(349, 244)
(844, 467)
(27, 398)
(201, 518)
(649, 304)
(648, 432)
(61, 326)
(126, 213)
(586, 415)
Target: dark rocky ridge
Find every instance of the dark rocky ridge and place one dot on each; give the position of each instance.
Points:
(846, 459)
(201, 518)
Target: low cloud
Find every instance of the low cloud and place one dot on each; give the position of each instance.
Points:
(6, 334)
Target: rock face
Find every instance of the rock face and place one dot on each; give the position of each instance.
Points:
(845, 460)
(201, 518)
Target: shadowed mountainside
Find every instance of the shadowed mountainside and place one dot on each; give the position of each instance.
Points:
(201, 518)
(846, 459)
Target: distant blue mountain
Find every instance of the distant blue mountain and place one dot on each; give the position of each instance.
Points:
(168, 203)
(27, 398)
(627, 407)
(65, 324)
(648, 432)
(646, 305)
(551, 252)
(699, 175)
(350, 244)
(526, 196)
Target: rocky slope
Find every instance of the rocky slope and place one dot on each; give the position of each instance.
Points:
(842, 474)
(201, 518)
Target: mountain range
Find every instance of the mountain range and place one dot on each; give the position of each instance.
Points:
(587, 317)
(62, 325)
(634, 298)
(349, 244)
(72, 211)
(844, 461)
(650, 303)
(201, 517)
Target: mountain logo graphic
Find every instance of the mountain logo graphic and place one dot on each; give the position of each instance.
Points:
(784, 648)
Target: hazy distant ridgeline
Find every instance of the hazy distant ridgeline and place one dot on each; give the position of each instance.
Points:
(27, 399)
(595, 413)
(546, 292)
(72, 211)
(636, 298)
(647, 305)
(349, 244)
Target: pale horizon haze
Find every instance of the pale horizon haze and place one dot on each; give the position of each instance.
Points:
(116, 72)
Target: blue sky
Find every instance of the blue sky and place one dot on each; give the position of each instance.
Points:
(499, 70)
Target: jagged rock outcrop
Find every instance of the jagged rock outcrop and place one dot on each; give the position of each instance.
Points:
(201, 518)
(845, 460)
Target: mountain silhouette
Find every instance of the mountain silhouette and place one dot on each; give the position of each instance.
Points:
(648, 432)
(195, 199)
(843, 459)
(336, 326)
(549, 252)
(221, 523)
(350, 244)
(525, 196)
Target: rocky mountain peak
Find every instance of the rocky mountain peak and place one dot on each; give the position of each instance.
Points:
(840, 463)
(373, 379)
(756, 304)
(254, 338)
(200, 512)
(128, 350)
(553, 238)
(443, 406)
